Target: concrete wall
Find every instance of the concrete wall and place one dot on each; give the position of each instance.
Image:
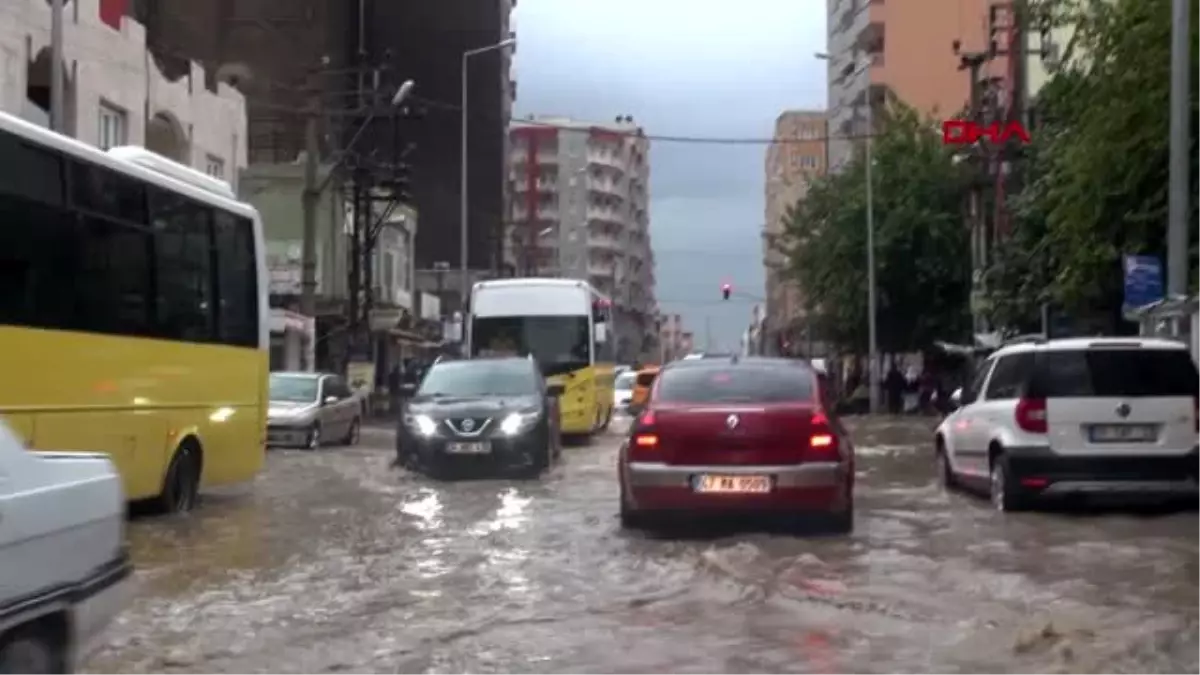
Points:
(113, 66)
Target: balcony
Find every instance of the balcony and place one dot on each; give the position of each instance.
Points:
(605, 185)
(606, 214)
(608, 159)
(604, 241)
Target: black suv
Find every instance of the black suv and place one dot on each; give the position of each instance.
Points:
(480, 414)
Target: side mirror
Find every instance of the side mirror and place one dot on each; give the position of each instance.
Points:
(408, 389)
(956, 398)
(330, 400)
(555, 390)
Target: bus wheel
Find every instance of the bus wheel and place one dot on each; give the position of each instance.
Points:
(607, 420)
(182, 484)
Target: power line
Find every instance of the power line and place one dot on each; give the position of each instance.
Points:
(663, 138)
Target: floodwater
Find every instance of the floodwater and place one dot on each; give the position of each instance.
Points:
(334, 562)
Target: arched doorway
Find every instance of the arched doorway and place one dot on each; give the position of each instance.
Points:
(37, 92)
(165, 135)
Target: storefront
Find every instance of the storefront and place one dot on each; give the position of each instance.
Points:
(292, 340)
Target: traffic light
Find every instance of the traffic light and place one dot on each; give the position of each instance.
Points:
(726, 289)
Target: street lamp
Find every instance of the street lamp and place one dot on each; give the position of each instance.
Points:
(872, 337)
(463, 262)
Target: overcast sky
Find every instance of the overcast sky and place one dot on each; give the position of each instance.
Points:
(683, 68)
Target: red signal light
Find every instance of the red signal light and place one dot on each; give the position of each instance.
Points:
(726, 289)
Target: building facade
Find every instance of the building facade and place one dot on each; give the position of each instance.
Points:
(670, 340)
(115, 93)
(904, 48)
(793, 161)
(580, 210)
(282, 52)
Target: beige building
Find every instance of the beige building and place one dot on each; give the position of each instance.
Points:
(580, 210)
(797, 156)
(909, 45)
(114, 92)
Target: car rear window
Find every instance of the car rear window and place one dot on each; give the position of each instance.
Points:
(646, 379)
(736, 384)
(1123, 373)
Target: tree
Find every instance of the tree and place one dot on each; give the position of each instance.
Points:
(1098, 188)
(921, 243)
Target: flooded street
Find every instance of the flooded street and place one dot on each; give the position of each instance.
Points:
(334, 562)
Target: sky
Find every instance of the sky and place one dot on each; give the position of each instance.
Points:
(702, 68)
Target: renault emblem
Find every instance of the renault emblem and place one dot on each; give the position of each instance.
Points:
(1123, 410)
(731, 422)
(468, 425)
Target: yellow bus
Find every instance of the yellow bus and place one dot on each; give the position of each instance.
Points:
(132, 314)
(566, 325)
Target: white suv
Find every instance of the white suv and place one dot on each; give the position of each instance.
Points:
(1075, 416)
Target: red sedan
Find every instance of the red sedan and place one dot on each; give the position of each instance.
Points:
(735, 435)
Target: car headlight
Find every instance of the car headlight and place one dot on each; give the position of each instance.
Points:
(519, 422)
(421, 424)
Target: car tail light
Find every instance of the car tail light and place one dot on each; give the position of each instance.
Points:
(645, 439)
(1031, 415)
(822, 443)
(647, 419)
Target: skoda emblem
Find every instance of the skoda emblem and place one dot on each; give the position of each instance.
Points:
(1123, 410)
(468, 425)
(732, 421)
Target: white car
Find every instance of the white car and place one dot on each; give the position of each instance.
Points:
(623, 390)
(64, 573)
(1075, 416)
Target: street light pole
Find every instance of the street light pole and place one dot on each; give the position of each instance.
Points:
(872, 337)
(873, 374)
(1180, 149)
(463, 249)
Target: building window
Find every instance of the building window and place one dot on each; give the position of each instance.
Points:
(215, 167)
(808, 162)
(114, 125)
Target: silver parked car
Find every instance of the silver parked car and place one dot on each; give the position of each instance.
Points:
(309, 410)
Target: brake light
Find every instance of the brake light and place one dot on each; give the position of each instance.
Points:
(647, 419)
(1031, 415)
(646, 440)
(822, 444)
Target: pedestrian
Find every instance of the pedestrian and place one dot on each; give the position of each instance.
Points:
(894, 384)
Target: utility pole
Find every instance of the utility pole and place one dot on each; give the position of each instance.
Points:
(1181, 146)
(872, 309)
(972, 63)
(58, 98)
(311, 198)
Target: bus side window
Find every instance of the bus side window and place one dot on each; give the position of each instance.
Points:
(183, 256)
(237, 280)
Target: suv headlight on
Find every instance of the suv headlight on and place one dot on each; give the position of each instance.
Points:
(518, 423)
(422, 425)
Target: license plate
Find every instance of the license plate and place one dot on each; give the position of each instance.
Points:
(468, 448)
(733, 484)
(1121, 433)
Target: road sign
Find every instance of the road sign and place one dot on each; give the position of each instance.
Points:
(1143, 280)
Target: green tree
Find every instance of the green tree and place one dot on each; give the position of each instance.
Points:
(921, 244)
(1098, 179)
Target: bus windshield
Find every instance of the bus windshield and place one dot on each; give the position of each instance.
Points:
(559, 344)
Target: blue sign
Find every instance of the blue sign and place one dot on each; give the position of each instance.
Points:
(1143, 280)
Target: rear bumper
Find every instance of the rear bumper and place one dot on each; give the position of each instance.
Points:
(1051, 474)
(818, 486)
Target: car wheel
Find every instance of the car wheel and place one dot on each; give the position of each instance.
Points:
(30, 651)
(842, 522)
(632, 519)
(312, 441)
(182, 483)
(945, 471)
(1006, 495)
(353, 434)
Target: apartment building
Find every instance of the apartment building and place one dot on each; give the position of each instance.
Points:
(671, 337)
(580, 210)
(115, 93)
(900, 48)
(793, 161)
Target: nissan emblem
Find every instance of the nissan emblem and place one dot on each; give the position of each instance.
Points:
(731, 421)
(468, 425)
(1123, 410)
